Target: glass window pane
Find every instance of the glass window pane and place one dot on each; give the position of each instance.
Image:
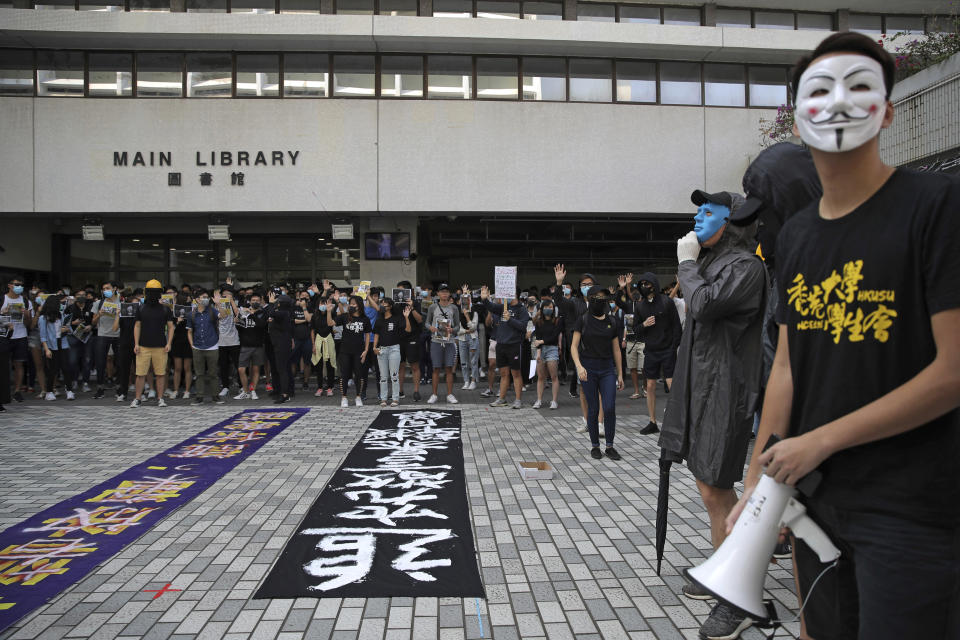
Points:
(679, 83)
(648, 15)
(596, 12)
(241, 254)
(160, 75)
(941, 24)
(292, 276)
(676, 15)
(725, 85)
(111, 74)
(401, 76)
(906, 24)
(60, 73)
(137, 279)
(450, 77)
(502, 9)
(591, 80)
(81, 278)
(869, 24)
(452, 8)
(299, 6)
(768, 86)
(16, 72)
(733, 18)
(141, 253)
(542, 10)
(398, 7)
(258, 74)
(209, 75)
(105, 6)
(92, 255)
(354, 7)
(354, 76)
(205, 279)
(288, 253)
(544, 79)
(636, 81)
(815, 21)
(253, 6)
(305, 75)
(242, 279)
(206, 6)
(150, 5)
(193, 253)
(497, 78)
(55, 4)
(773, 20)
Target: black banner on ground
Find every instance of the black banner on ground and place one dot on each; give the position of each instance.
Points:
(393, 521)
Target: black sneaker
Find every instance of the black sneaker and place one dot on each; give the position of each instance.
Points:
(696, 592)
(574, 394)
(650, 428)
(783, 551)
(724, 624)
(18, 396)
(217, 400)
(98, 394)
(595, 453)
(198, 400)
(2, 409)
(612, 453)
(416, 396)
(402, 394)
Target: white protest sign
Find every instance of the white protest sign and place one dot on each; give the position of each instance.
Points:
(505, 282)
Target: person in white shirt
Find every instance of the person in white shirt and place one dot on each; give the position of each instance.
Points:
(20, 313)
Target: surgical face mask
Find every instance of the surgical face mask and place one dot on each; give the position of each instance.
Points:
(66, 291)
(585, 288)
(547, 312)
(343, 299)
(323, 307)
(710, 218)
(566, 291)
(613, 305)
(204, 301)
(841, 101)
(311, 292)
(34, 292)
(108, 293)
(18, 289)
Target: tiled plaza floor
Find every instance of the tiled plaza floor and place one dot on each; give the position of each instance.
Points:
(571, 557)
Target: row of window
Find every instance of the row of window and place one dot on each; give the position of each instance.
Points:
(873, 24)
(321, 75)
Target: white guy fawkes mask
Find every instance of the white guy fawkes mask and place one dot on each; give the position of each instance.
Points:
(841, 101)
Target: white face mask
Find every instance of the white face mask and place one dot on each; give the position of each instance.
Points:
(841, 101)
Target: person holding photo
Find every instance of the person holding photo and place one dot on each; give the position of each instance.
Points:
(388, 332)
(354, 347)
(15, 306)
(443, 321)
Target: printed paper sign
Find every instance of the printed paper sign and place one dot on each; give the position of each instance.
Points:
(505, 282)
(362, 289)
(167, 300)
(181, 310)
(128, 309)
(401, 296)
(109, 309)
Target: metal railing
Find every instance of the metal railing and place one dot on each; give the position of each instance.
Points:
(926, 123)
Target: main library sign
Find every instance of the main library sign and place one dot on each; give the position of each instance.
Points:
(208, 160)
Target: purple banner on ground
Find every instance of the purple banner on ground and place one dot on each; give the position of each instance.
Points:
(45, 554)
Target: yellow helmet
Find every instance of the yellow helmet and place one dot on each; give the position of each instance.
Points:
(154, 284)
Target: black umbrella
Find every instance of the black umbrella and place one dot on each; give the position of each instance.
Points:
(667, 458)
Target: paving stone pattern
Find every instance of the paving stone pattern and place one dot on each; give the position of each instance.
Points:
(571, 557)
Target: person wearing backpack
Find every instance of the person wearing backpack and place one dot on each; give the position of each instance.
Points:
(204, 336)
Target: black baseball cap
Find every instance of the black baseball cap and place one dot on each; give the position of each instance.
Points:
(443, 285)
(741, 212)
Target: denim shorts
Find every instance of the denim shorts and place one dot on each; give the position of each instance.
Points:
(550, 353)
(443, 354)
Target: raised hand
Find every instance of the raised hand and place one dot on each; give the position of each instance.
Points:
(622, 281)
(560, 273)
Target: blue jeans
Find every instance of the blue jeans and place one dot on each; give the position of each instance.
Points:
(602, 379)
(79, 361)
(470, 359)
(389, 361)
(100, 349)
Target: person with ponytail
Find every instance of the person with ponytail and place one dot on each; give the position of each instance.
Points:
(55, 346)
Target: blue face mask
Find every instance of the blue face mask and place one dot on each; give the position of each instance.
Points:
(323, 307)
(566, 291)
(585, 288)
(311, 292)
(547, 312)
(18, 289)
(343, 299)
(108, 294)
(709, 219)
(613, 305)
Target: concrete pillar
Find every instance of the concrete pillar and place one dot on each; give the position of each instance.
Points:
(843, 19)
(326, 6)
(178, 6)
(710, 14)
(426, 8)
(569, 9)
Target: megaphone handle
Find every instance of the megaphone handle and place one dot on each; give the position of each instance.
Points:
(795, 516)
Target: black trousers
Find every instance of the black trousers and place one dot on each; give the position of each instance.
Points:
(325, 374)
(125, 357)
(283, 376)
(229, 360)
(4, 374)
(54, 366)
(350, 367)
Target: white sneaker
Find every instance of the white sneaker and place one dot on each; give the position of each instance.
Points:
(135, 403)
(553, 404)
(120, 397)
(536, 405)
(451, 399)
(224, 392)
(186, 395)
(86, 388)
(582, 427)
(50, 396)
(432, 399)
(151, 395)
(473, 385)
(254, 396)
(243, 396)
(170, 393)
(466, 385)
(70, 395)
(358, 402)
(343, 403)
(161, 403)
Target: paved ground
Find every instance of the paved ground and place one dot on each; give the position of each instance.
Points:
(571, 557)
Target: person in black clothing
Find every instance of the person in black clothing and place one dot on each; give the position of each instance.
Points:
(354, 346)
(656, 323)
(388, 332)
(125, 353)
(547, 332)
(570, 307)
(596, 353)
(6, 330)
(509, 325)
(280, 331)
(324, 356)
(81, 318)
(252, 327)
(410, 347)
(302, 346)
(181, 352)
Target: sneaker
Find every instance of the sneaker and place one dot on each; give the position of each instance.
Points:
(70, 395)
(612, 453)
(696, 592)
(783, 550)
(554, 405)
(595, 453)
(330, 391)
(574, 394)
(253, 395)
(135, 403)
(582, 427)
(170, 393)
(49, 396)
(416, 396)
(280, 399)
(218, 399)
(86, 388)
(243, 395)
(121, 397)
(18, 396)
(724, 624)
(432, 399)
(486, 393)
(650, 428)
(318, 394)
(536, 405)
(224, 391)
(186, 395)
(395, 403)
(451, 399)
(162, 403)
(344, 403)
(269, 387)
(402, 394)
(473, 385)
(358, 401)
(466, 385)
(152, 394)
(198, 400)
(96, 396)
(499, 402)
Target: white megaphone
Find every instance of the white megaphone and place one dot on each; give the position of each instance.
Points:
(734, 574)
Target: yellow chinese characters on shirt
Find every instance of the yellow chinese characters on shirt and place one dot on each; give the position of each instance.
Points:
(839, 306)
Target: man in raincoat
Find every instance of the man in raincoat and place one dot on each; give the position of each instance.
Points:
(716, 384)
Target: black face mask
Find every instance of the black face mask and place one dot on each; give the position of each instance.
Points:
(646, 290)
(254, 305)
(152, 296)
(598, 307)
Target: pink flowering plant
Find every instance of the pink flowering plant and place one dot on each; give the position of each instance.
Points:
(778, 129)
(918, 53)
